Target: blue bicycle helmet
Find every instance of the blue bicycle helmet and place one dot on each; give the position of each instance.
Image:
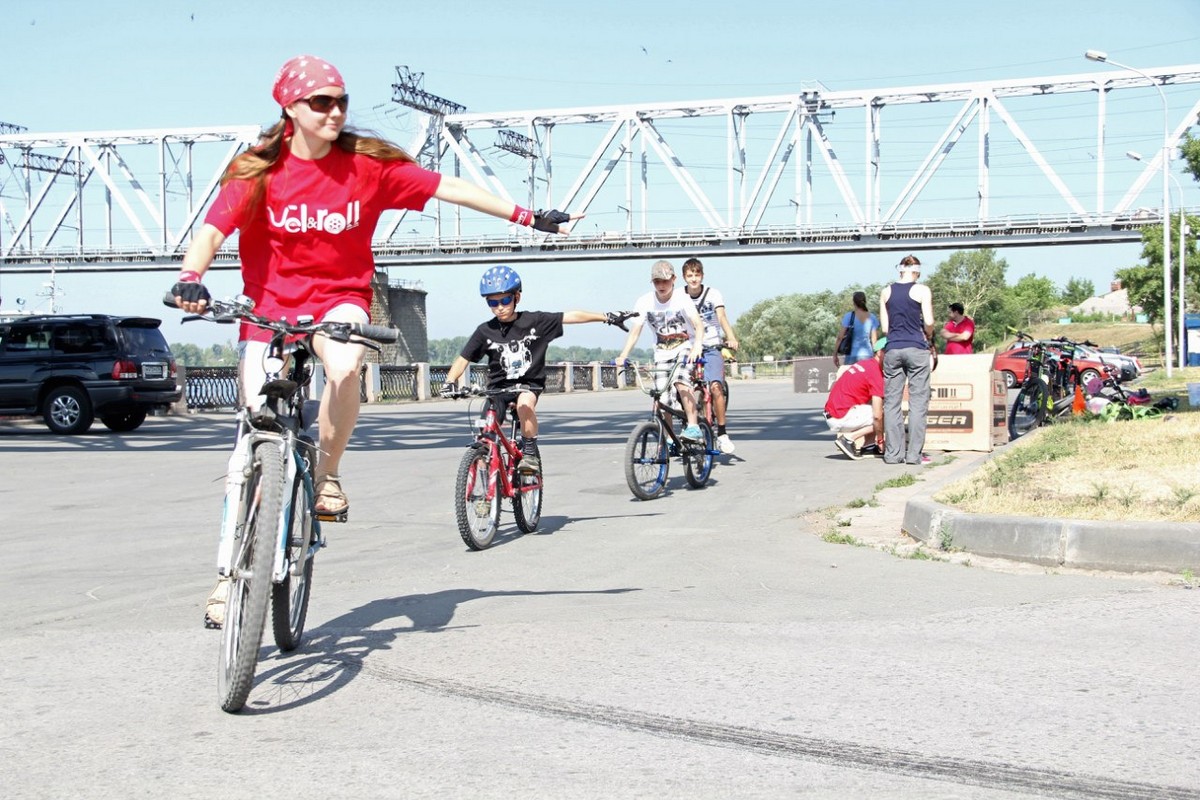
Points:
(499, 280)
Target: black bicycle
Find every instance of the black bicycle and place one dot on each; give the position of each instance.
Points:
(654, 443)
(271, 529)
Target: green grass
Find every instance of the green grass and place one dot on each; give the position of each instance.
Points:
(907, 479)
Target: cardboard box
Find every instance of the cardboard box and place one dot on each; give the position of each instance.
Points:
(963, 404)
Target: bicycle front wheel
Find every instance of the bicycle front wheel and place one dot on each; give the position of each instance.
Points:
(250, 591)
(527, 502)
(478, 515)
(646, 462)
(1029, 409)
(698, 458)
(289, 599)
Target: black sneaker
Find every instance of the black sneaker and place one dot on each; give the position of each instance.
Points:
(530, 464)
(847, 447)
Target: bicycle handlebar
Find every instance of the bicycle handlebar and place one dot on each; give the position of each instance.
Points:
(239, 309)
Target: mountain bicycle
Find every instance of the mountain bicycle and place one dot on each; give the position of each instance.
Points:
(1050, 385)
(654, 443)
(270, 528)
(489, 473)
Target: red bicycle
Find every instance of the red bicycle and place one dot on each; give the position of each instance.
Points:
(488, 473)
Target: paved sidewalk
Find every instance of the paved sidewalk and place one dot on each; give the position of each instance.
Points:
(908, 521)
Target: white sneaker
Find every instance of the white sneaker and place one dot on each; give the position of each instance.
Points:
(725, 444)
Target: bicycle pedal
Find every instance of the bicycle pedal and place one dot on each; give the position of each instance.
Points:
(332, 516)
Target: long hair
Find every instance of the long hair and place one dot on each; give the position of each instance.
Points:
(257, 163)
(860, 300)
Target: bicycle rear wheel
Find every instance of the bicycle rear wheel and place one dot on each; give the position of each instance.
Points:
(246, 609)
(646, 462)
(289, 599)
(527, 502)
(478, 516)
(698, 458)
(1029, 409)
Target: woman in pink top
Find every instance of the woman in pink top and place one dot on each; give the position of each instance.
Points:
(306, 200)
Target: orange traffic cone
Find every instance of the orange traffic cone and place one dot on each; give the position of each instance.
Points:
(1079, 405)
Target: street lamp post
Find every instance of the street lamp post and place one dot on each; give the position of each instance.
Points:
(1182, 284)
(1097, 55)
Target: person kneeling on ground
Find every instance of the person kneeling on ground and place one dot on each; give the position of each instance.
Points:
(854, 410)
(515, 344)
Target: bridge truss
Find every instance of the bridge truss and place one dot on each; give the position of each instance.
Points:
(1014, 162)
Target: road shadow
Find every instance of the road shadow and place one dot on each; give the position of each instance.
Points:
(332, 654)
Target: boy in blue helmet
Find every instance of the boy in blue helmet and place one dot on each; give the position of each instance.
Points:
(515, 343)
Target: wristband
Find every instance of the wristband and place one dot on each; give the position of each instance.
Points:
(189, 276)
(521, 216)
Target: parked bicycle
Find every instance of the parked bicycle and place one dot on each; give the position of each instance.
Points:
(489, 473)
(654, 443)
(270, 529)
(1050, 384)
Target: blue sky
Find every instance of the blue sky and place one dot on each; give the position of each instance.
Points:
(99, 65)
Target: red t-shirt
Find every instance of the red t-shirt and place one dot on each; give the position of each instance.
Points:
(965, 325)
(307, 246)
(861, 381)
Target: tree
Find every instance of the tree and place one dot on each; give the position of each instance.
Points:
(1035, 293)
(791, 325)
(1144, 282)
(1076, 291)
(1190, 147)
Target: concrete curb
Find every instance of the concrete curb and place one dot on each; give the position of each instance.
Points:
(1082, 544)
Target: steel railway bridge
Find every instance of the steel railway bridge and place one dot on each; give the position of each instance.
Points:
(1030, 161)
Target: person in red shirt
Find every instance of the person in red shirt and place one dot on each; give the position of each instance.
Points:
(854, 410)
(306, 200)
(959, 332)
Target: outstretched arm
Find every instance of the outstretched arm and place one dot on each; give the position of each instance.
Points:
(576, 317)
(463, 193)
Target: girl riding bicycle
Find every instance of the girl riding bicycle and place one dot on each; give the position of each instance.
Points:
(515, 344)
(306, 201)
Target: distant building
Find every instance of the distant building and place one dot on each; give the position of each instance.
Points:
(1116, 302)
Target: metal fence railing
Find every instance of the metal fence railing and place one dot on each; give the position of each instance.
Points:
(214, 388)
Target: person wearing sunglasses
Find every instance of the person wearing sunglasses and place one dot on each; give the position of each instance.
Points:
(515, 343)
(306, 200)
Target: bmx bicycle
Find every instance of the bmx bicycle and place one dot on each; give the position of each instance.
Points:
(654, 443)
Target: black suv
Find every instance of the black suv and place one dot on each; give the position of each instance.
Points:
(72, 368)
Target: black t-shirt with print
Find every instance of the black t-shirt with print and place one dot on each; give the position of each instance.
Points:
(516, 351)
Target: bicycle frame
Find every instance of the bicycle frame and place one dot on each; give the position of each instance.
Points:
(283, 419)
(665, 413)
(503, 455)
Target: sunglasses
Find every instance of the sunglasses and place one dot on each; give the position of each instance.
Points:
(500, 301)
(323, 103)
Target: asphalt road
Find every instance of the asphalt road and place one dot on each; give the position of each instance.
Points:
(705, 644)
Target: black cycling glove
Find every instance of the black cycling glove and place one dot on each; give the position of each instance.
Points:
(619, 318)
(191, 292)
(548, 221)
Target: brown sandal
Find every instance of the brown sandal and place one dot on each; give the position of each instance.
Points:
(330, 497)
